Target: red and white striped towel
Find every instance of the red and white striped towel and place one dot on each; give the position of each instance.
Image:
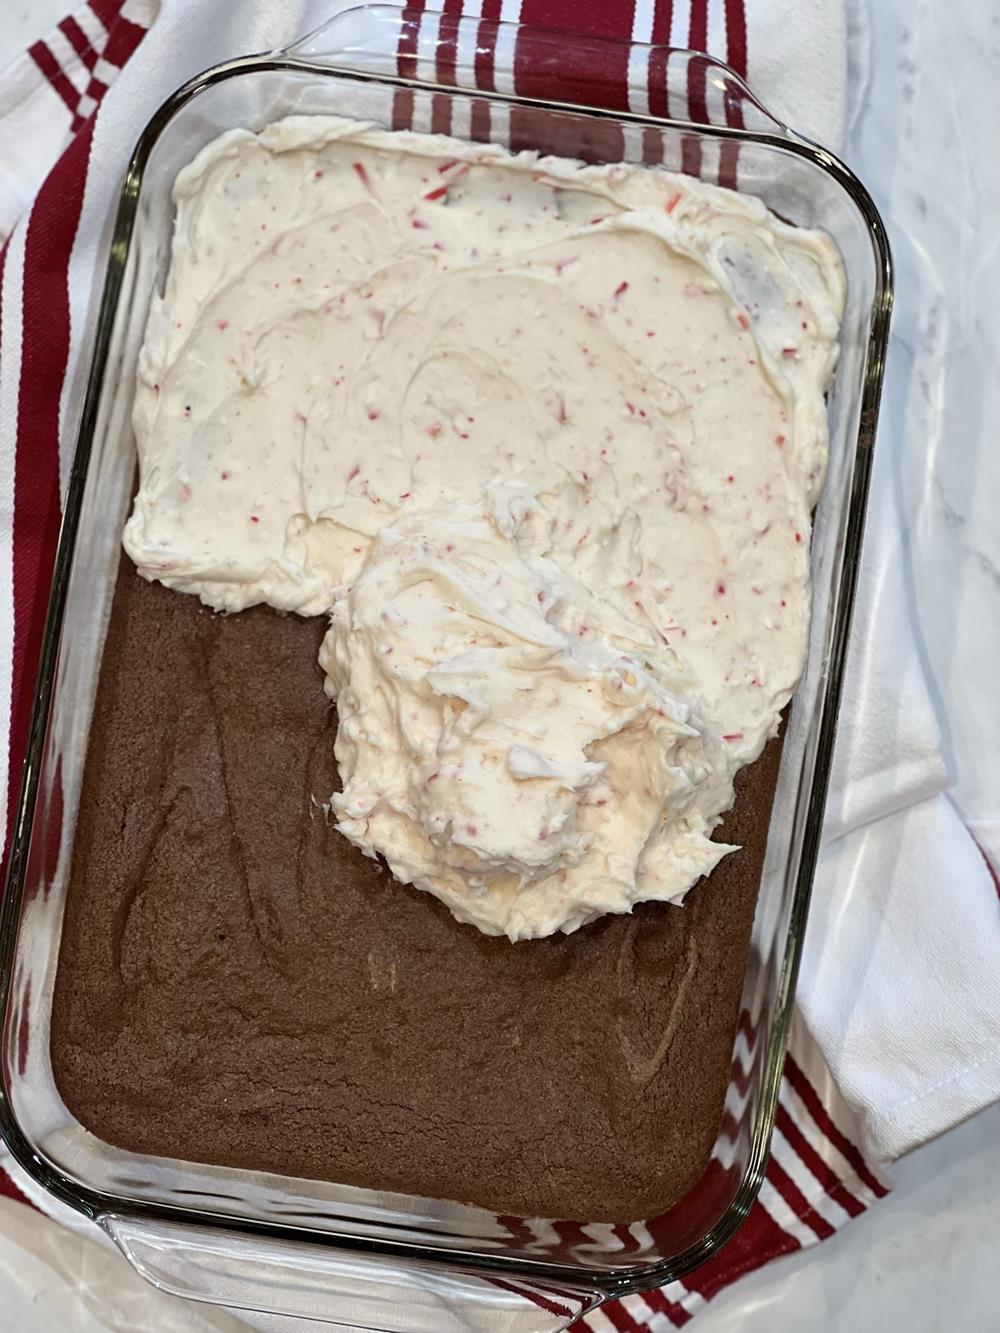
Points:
(63, 145)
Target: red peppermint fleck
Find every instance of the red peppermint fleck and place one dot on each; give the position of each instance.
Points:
(743, 320)
(254, 518)
(730, 478)
(733, 736)
(621, 289)
(720, 590)
(789, 353)
(317, 175)
(783, 603)
(471, 830)
(405, 495)
(798, 536)
(447, 166)
(224, 476)
(779, 441)
(418, 223)
(438, 193)
(362, 175)
(373, 414)
(222, 325)
(434, 429)
(357, 550)
(354, 472)
(185, 491)
(672, 202)
(630, 406)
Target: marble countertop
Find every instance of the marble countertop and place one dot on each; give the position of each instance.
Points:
(924, 143)
(923, 140)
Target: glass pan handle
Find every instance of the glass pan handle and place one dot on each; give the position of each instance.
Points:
(430, 49)
(339, 1287)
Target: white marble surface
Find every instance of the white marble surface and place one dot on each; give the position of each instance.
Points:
(925, 1259)
(925, 145)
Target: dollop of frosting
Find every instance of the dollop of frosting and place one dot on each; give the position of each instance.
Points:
(603, 383)
(509, 739)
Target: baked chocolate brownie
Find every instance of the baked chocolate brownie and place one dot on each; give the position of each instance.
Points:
(239, 985)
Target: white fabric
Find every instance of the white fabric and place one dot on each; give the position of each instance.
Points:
(32, 135)
(900, 982)
(900, 978)
(902, 968)
(797, 56)
(888, 752)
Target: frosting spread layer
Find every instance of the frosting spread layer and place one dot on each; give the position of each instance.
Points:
(601, 386)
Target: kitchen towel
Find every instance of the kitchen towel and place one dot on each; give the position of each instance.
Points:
(879, 1060)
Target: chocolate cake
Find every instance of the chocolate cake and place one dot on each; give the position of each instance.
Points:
(239, 985)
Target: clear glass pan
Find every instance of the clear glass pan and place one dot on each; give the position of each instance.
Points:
(365, 1257)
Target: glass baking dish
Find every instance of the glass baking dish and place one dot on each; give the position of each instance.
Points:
(365, 1257)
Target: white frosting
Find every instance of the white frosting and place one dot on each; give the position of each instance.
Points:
(512, 741)
(361, 334)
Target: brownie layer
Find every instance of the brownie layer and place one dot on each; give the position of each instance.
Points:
(238, 985)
